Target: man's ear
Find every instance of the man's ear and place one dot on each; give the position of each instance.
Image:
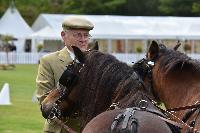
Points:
(62, 34)
(96, 46)
(153, 50)
(79, 54)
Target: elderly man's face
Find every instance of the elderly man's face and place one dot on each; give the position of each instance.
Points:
(76, 37)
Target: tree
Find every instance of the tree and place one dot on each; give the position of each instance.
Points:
(92, 6)
(196, 8)
(140, 8)
(179, 7)
(30, 9)
(6, 39)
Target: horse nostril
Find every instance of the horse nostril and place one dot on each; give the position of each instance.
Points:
(45, 111)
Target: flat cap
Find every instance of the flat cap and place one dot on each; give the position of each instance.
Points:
(75, 22)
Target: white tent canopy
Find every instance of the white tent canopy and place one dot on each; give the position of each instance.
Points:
(129, 27)
(13, 24)
(45, 33)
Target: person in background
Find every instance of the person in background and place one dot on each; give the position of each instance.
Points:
(51, 66)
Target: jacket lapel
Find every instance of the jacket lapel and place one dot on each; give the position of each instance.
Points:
(64, 56)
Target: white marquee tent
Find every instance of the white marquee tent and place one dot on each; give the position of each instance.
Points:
(44, 33)
(129, 27)
(12, 23)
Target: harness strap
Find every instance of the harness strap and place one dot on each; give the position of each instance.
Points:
(171, 122)
(125, 117)
(197, 105)
(129, 112)
(185, 125)
(188, 114)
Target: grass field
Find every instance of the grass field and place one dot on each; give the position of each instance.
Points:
(23, 116)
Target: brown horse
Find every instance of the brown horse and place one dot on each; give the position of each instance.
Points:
(175, 79)
(131, 120)
(102, 81)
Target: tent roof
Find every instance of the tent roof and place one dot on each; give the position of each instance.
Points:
(13, 24)
(45, 33)
(129, 27)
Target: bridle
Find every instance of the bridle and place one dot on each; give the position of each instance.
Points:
(56, 111)
(64, 91)
(147, 67)
(194, 108)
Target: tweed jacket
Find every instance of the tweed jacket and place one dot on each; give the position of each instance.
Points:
(50, 69)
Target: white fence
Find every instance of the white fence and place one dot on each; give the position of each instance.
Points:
(20, 58)
(33, 58)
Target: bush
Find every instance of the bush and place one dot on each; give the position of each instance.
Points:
(139, 49)
(40, 47)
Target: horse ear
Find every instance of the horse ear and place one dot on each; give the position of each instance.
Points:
(96, 46)
(177, 46)
(79, 54)
(153, 50)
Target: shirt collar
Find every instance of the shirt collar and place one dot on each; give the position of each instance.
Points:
(72, 55)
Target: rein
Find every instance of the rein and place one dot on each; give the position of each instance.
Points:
(181, 124)
(193, 106)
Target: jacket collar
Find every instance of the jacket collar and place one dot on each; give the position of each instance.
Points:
(64, 56)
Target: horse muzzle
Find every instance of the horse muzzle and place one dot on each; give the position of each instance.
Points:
(46, 110)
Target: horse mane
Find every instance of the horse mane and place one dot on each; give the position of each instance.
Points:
(103, 78)
(175, 61)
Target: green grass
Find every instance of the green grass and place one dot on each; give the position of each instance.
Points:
(23, 116)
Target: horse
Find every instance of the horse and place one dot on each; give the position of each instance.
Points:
(132, 120)
(175, 80)
(103, 82)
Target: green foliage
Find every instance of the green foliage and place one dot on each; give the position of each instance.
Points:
(39, 47)
(140, 8)
(139, 49)
(92, 6)
(196, 7)
(179, 7)
(187, 47)
(23, 116)
(6, 38)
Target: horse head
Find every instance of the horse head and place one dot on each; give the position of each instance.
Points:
(174, 78)
(159, 64)
(54, 103)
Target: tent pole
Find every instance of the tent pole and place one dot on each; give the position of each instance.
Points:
(33, 46)
(109, 46)
(193, 47)
(126, 46)
(145, 45)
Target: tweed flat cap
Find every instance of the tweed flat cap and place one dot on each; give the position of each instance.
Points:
(75, 22)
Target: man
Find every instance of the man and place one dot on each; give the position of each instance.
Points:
(75, 33)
